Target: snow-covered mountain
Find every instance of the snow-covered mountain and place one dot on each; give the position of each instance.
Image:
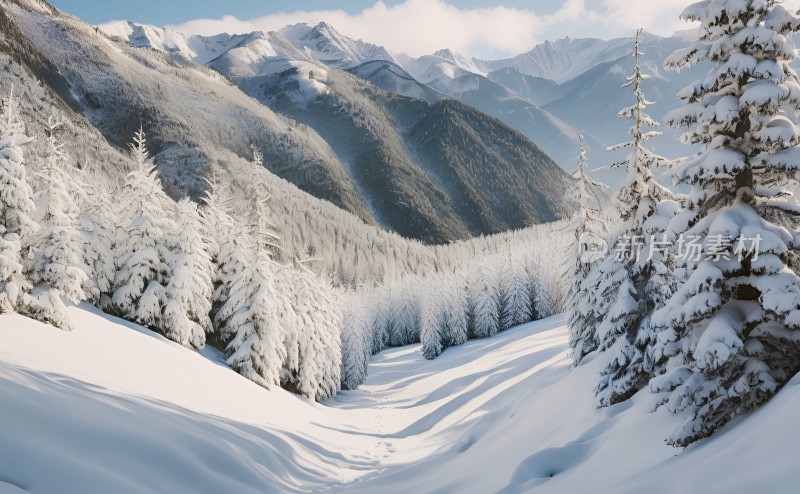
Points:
(552, 93)
(252, 53)
(183, 104)
(445, 72)
(564, 59)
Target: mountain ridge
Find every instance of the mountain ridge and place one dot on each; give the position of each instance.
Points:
(195, 114)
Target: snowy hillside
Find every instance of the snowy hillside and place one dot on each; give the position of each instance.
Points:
(551, 94)
(564, 59)
(368, 163)
(253, 58)
(114, 407)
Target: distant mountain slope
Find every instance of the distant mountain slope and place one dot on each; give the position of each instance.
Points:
(189, 112)
(594, 98)
(341, 245)
(413, 160)
(551, 94)
(418, 191)
(564, 59)
(394, 79)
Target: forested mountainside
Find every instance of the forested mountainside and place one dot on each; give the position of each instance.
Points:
(259, 269)
(117, 87)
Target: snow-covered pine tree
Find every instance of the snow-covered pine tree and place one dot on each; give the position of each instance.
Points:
(234, 275)
(632, 279)
(405, 315)
(187, 295)
(252, 325)
(589, 231)
(227, 251)
(730, 335)
(484, 307)
(380, 315)
(534, 288)
(16, 205)
(515, 287)
(356, 342)
(317, 306)
(98, 227)
(454, 316)
(140, 248)
(431, 311)
(57, 255)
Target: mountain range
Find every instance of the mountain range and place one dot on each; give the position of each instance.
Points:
(384, 157)
(550, 94)
(437, 148)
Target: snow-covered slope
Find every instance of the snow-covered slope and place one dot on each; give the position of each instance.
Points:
(195, 117)
(111, 407)
(252, 53)
(445, 72)
(551, 93)
(564, 59)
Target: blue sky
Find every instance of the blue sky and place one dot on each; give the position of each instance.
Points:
(161, 12)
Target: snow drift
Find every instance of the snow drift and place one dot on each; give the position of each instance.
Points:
(112, 407)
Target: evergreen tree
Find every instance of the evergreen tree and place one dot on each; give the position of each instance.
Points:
(317, 307)
(632, 280)
(484, 320)
(98, 228)
(234, 273)
(405, 315)
(453, 320)
(16, 205)
(57, 247)
(589, 230)
(140, 248)
(729, 336)
(515, 287)
(379, 317)
(224, 247)
(431, 324)
(356, 343)
(252, 328)
(185, 319)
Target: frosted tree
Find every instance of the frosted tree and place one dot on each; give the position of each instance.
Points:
(16, 205)
(98, 228)
(533, 281)
(233, 279)
(404, 328)
(454, 316)
(484, 306)
(356, 342)
(57, 253)
(187, 295)
(227, 251)
(632, 280)
(140, 248)
(256, 349)
(251, 326)
(517, 309)
(317, 307)
(431, 333)
(729, 336)
(380, 314)
(589, 232)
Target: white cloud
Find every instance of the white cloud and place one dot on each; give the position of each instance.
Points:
(420, 27)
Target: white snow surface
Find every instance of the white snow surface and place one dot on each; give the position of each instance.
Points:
(112, 407)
